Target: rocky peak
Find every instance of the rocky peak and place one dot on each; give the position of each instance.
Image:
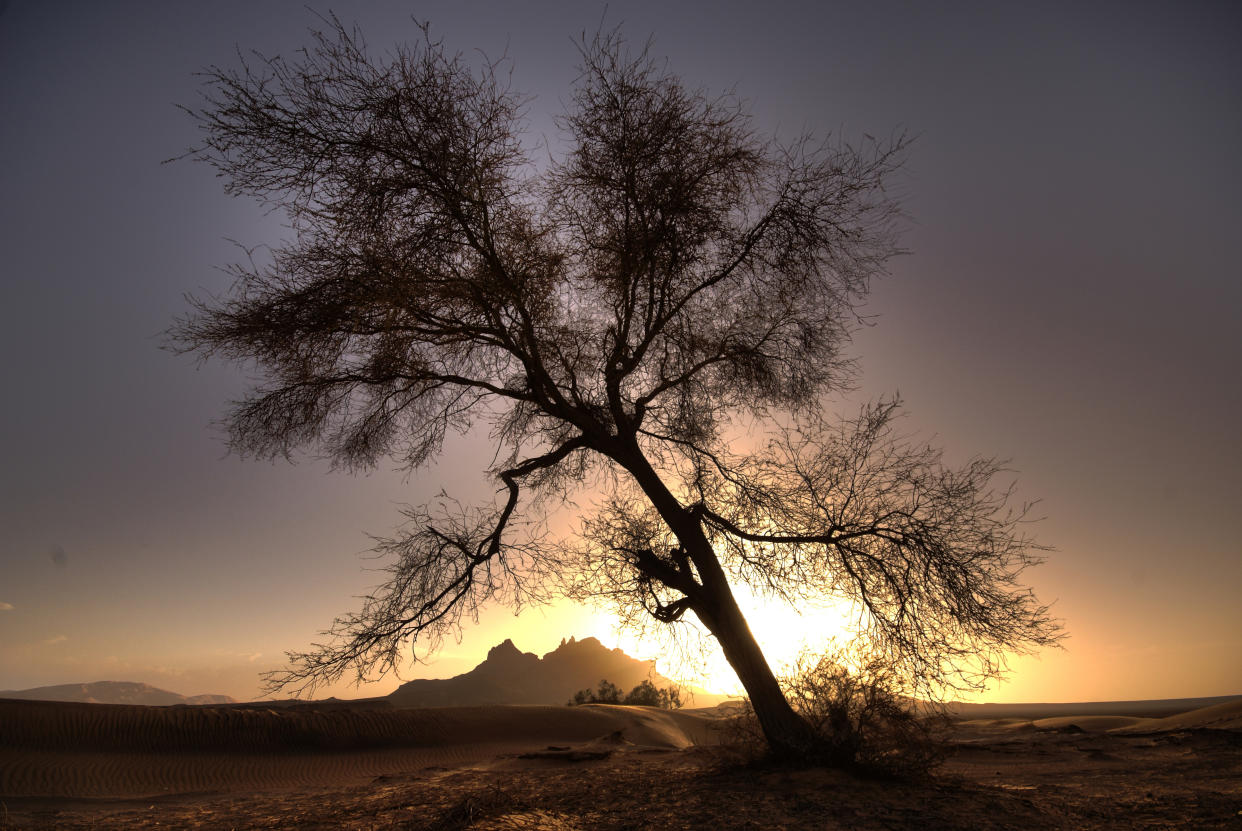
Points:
(505, 658)
(511, 676)
(502, 650)
(586, 644)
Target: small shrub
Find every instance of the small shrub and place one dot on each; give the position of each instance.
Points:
(859, 719)
(608, 693)
(648, 694)
(645, 694)
(474, 808)
(862, 715)
(670, 698)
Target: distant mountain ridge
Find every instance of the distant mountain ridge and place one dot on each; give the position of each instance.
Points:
(510, 676)
(113, 692)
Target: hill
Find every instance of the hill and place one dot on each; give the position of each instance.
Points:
(113, 692)
(510, 676)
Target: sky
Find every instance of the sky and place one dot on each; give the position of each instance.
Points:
(1070, 301)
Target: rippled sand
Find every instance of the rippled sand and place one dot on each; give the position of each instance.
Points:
(369, 765)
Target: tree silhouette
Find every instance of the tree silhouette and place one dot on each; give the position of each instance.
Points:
(619, 319)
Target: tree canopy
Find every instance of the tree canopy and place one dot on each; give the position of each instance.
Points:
(614, 319)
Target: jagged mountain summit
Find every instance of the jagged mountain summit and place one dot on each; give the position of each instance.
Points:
(510, 676)
(113, 692)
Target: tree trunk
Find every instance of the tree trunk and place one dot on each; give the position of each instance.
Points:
(787, 733)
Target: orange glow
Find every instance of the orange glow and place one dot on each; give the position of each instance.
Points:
(783, 633)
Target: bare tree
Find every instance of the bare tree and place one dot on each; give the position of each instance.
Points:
(612, 317)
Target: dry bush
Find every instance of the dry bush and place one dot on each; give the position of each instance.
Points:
(858, 716)
(645, 694)
(473, 808)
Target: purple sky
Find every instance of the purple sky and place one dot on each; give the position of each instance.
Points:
(1071, 301)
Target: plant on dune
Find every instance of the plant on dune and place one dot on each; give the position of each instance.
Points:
(646, 694)
(606, 693)
(861, 710)
(858, 710)
(619, 320)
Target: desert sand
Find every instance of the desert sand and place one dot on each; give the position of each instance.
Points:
(368, 764)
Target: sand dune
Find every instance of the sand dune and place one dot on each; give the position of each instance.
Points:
(1091, 724)
(1226, 716)
(1146, 708)
(55, 749)
(1095, 718)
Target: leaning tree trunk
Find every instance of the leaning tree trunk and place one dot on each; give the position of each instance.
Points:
(787, 733)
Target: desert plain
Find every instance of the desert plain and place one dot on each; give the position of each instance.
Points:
(373, 765)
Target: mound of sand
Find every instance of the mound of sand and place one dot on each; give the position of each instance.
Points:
(367, 764)
(1090, 724)
(54, 749)
(1127, 717)
(1147, 708)
(1226, 716)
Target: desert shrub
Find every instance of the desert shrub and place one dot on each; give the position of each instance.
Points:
(607, 693)
(670, 698)
(862, 715)
(645, 694)
(648, 694)
(858, 716)
(474, 808)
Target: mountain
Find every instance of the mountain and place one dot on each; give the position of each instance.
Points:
(510, 676)
(113, 692)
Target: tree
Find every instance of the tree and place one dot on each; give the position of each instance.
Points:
(646, 694)
(617, 318)
(607, 693)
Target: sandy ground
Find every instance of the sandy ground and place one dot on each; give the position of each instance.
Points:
(370, 766)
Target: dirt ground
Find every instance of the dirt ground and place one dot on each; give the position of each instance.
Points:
(994, 777)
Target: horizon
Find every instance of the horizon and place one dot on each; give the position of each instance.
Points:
(689, 685)
(1069, 302)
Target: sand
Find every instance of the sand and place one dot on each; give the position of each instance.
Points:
(370, 765)
(64, 750)
(1224, 716)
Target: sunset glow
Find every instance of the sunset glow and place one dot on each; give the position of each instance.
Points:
(411, 405)
(783, 632)
(1053, 140)
(786, 634)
